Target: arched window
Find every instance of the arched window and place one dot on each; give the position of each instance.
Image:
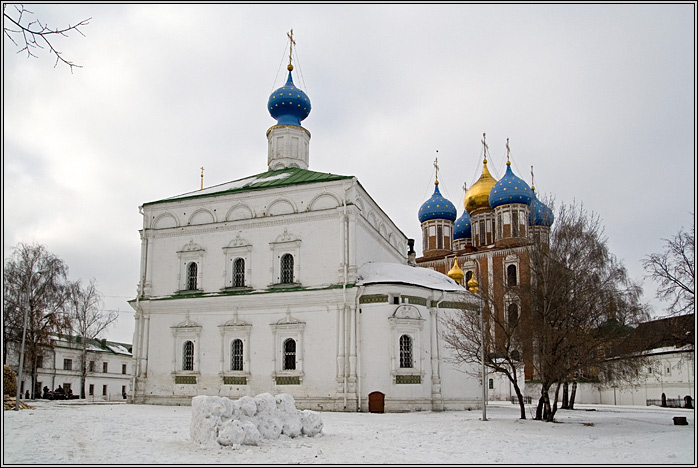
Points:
(490, 384)
(511, 275)
(290, 354)
(239, 273)
(405, 351)
(468, 277)
(188, 356)
(236, 355)
(287, 268)
(192, 273)
(513, 313)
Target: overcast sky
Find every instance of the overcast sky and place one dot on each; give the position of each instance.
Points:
(599, 98)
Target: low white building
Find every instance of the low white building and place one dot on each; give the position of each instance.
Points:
(109, 366)
(290, 281)
(668, 378)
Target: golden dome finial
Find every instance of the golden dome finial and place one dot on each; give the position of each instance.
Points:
(455, 273)
(290, 50)
(484, 148)
(473, 286)
(436, 169)
(508, 151)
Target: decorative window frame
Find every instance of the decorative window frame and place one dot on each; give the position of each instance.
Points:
(237, 248)
(287, 327)
(285, 244)
(190, 253)
(508, 261)
(183, 332)
(406, 320)
(232, 330)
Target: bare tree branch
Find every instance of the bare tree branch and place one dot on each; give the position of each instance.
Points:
(36, 35)
(674, 271)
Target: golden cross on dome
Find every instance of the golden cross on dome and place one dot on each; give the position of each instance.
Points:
(465, 187)
(508, 149)
(290, 50)
(484, 146)
(202, 177)
(533, 182)
(436, 166)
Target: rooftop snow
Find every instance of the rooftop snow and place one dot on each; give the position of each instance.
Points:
(371, 273)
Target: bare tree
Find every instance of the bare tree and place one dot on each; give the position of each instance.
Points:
(582, 302)
(88, 318)
(499, 332)
(674, 271)
(35, 35)
(34, 294)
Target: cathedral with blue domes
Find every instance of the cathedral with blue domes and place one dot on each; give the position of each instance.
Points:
(485, 248)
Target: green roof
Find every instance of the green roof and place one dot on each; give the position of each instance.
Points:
(265, 180)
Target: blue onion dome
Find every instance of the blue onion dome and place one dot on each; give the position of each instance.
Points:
(437, 207)
(288, 104)
(540, 214)
(461, 229)
(510, 189)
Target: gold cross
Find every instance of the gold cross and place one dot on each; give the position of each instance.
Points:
(436, 166)
(484, 144)
(202, 177)
(508, 149)
(290, 51)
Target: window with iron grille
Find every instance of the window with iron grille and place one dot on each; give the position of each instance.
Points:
(188, 356)
(239, 273)
(192, 272)
(67, 364)
(236, 355)
(290, 354)
(105, 366)
(286, 268)
(91, 391)
(405, 351)
(123, 368)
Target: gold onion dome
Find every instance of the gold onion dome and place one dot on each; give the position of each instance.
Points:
(478, 195)
(455, 273)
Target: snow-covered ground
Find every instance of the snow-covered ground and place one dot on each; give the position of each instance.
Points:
(118, 433)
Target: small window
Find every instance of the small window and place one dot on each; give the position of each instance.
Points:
(468, 277)
(91, 366)
(104, 390)
(290, 354)
(91, 390)
(515, 223)
(287, 268)
(239, 273)
(67, 364)
(483, 241)
(439, 237)
(188, 356)
(123, 368)
(192, 273)
(105, 367)
(512, 280)
(490, 384)
(123, 391)
(405, 351)
(236, 355)
(513, 313)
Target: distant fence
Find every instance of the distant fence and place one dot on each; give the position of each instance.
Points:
(515, 400)
(670, 403)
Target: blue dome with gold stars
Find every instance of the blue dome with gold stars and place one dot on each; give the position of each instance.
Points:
(437, 207)
(540, 214)
(510, 189)
(461, 229)
(288, 104)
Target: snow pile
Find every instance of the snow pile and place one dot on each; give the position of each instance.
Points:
(249, 420)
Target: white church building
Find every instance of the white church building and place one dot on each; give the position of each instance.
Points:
(291, 281)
